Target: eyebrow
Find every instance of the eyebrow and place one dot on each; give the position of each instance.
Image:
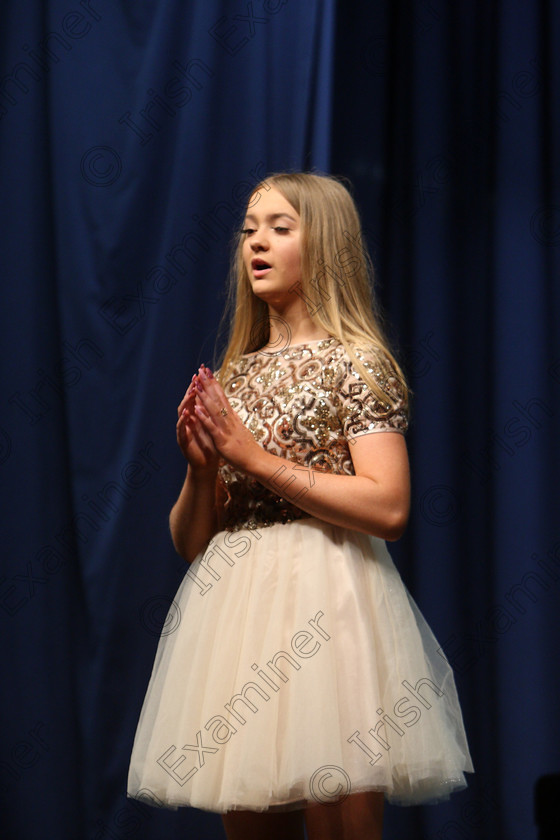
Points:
(271, 217)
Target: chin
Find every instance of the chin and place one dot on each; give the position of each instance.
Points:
(278, 301)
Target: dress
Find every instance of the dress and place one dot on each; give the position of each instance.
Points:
(295, 667)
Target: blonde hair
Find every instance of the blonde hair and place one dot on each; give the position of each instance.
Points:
(336, 277)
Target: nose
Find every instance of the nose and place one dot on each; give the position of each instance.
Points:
(259, 241)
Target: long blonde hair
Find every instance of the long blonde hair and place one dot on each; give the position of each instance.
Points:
(336, 277)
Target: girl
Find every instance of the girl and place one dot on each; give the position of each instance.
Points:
(302, 685)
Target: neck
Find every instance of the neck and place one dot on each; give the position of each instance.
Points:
(293, 327)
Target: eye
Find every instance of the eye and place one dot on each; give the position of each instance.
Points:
(281, 229)
(247, 230)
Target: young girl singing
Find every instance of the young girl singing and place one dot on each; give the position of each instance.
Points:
(302, 685)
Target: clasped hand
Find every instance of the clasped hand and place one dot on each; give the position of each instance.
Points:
(208, 427)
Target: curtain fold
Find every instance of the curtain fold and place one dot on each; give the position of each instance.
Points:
(451, 138)
(130, 134)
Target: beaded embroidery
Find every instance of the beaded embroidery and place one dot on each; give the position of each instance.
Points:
(304, 404)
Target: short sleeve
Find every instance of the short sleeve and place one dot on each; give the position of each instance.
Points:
(362, 412)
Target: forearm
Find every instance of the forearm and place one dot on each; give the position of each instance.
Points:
(193, 520)
(351, 501)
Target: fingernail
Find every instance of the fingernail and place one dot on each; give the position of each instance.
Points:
(209, 373)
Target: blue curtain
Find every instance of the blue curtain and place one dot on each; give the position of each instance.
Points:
(130, 133)
(451, 136)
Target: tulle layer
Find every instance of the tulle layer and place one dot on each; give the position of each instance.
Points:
(300, 671)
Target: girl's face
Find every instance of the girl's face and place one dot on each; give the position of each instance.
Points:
(271, 246)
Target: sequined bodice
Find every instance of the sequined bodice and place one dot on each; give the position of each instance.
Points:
(304, 404)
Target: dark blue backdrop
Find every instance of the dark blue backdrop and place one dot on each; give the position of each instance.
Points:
(130, 133)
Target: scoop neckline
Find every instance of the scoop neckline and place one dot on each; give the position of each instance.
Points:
(289, 347)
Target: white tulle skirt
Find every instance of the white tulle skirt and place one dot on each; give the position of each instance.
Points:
(295, 668)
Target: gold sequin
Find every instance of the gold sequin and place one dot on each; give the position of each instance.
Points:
(304, 405)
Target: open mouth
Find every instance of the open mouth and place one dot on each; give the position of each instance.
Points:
(260, 267)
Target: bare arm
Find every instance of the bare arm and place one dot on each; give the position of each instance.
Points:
(193, 520)
(374, 501)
